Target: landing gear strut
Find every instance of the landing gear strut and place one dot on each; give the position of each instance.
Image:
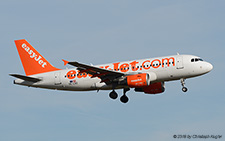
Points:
(184, 89)
(124, 98)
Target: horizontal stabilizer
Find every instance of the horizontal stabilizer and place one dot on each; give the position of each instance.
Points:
(26, 78)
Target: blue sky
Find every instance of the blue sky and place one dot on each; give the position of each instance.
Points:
(101, 32)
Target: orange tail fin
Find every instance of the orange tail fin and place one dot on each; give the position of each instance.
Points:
(33, 62)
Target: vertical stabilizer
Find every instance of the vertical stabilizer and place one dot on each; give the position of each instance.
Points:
(33, 62)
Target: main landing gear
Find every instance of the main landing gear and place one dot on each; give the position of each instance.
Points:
(123, 98)
(113, 95)
(184, 89)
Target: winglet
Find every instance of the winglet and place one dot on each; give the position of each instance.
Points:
(65, 62)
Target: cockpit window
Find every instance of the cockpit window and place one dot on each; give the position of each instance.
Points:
(196, 59)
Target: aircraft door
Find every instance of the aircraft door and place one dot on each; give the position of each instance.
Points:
(180, 62)
(57, 78)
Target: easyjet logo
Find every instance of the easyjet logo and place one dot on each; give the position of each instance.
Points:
(136, 80)
(132, 66)
(73, 74)
(145, 65)
(33, 55)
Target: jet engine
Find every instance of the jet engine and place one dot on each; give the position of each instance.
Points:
(138, 80)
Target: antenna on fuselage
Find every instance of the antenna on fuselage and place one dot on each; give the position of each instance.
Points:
(178, 53)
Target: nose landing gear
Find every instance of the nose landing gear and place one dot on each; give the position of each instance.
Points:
(184, 89)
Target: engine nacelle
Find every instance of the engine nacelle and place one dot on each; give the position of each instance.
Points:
(138, 80)
(154, 88)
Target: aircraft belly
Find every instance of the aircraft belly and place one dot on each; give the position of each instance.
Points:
(80, 84)
(169, 73)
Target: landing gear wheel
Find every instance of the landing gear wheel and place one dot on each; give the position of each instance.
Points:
(124, 99)
(113, 95)
(184, 89)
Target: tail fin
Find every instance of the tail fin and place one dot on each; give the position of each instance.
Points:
(33, 62)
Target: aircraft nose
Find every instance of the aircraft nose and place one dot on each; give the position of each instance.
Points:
(209, 67)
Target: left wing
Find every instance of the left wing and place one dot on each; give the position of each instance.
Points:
(105, 75)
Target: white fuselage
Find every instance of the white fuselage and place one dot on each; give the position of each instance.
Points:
(160, 69)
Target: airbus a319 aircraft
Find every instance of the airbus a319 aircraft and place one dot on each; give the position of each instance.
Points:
(145, 75)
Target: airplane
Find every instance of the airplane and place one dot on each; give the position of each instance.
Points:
(145, 75)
